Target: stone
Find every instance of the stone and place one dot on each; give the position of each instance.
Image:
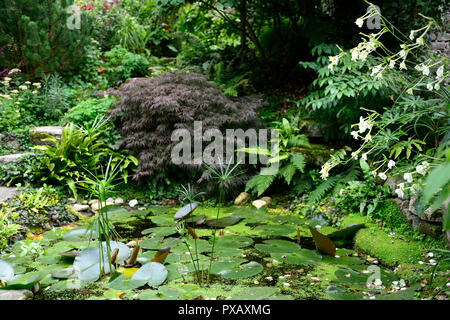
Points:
(243, 197)
(96, 205)
(11, 157)
(447, 238)
(92, 201)
(110, 200)
(67, 273)
(259, 203)
(72, 200)
(80, 207)
(428, 214)
(37, 134)
(392, 183)
(133, 203)
(7, 193)
(84, 202)
(268, 200)
(15, 294)
(312, 129)
(119, 201)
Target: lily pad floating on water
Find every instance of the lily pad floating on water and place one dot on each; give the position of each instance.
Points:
(153, 273)
(122, 283)
(6, 271)
(87, 261)
(245, 270)
(233, 241)
(161, 255)
(299, 257)
(323, 244)
(346, 232)
(185, 211)
(277, 246)
(223, 222)
(159, 231)
(80, 235)
(219, 266)
(269, 230)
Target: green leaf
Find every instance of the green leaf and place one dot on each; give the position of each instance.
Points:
(298, 160)
(437, 178)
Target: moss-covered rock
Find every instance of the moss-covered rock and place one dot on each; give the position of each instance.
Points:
(316, 155)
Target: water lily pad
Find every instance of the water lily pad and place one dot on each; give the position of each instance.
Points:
(223, 222)
(122, 283)
(227, 252)
(159, 231)
(218, 267)
(270, 230)
(154, 273)
(26, 280)
(148, 295)
(233, 241)
(185, 211)
(277, 246)
(65, 273)
(6, 271)
(245, 270)
(88, 260)
(163, 220)
(299, 257)
(79, 235)
(340, 293)
(158, 242)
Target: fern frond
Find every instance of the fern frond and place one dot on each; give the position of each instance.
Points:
(259, 183)
(298, 160)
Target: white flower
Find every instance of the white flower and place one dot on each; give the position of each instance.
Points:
(37, 84)
(7, 79)
(430, 86)
(403, 54)
(376, 70)
(440, 71)
(27, 82)
(359, 22)
(325, 170)
(400, 191)
(425, 70)
(432, 262)
(422, 168)
(430, 255)
(355, 54)
(402, 65)
(391, 64)
(420, 262)
(420, 41)
(409, 91)
(354, 134)
(355, 155)
(23, 87)
(391, 164)
(408, 177)
(368, 137)
(364, 125)
(378, 282)
(364, 156)
(363, 55)
(382, 175)
(411, 34)
(437, 86)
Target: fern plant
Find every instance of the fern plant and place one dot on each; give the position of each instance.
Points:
(290, 162)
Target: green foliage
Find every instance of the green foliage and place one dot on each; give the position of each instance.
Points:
(38, 36)
(86, 111)
(359, 196)
(77, 152)
(337, 96)
(7, 228)
(437, 189)
(37, 208)
(22, 170)
(120, 64)
(291, 162)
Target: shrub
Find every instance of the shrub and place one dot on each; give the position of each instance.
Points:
(120, 64)
(36, 34)
(150, 109)
(78, 153)
(85, 112)
(7, 229)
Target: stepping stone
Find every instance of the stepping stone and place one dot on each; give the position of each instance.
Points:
(7, 193)
(11, 157)
(15, 294)
(37, 134)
